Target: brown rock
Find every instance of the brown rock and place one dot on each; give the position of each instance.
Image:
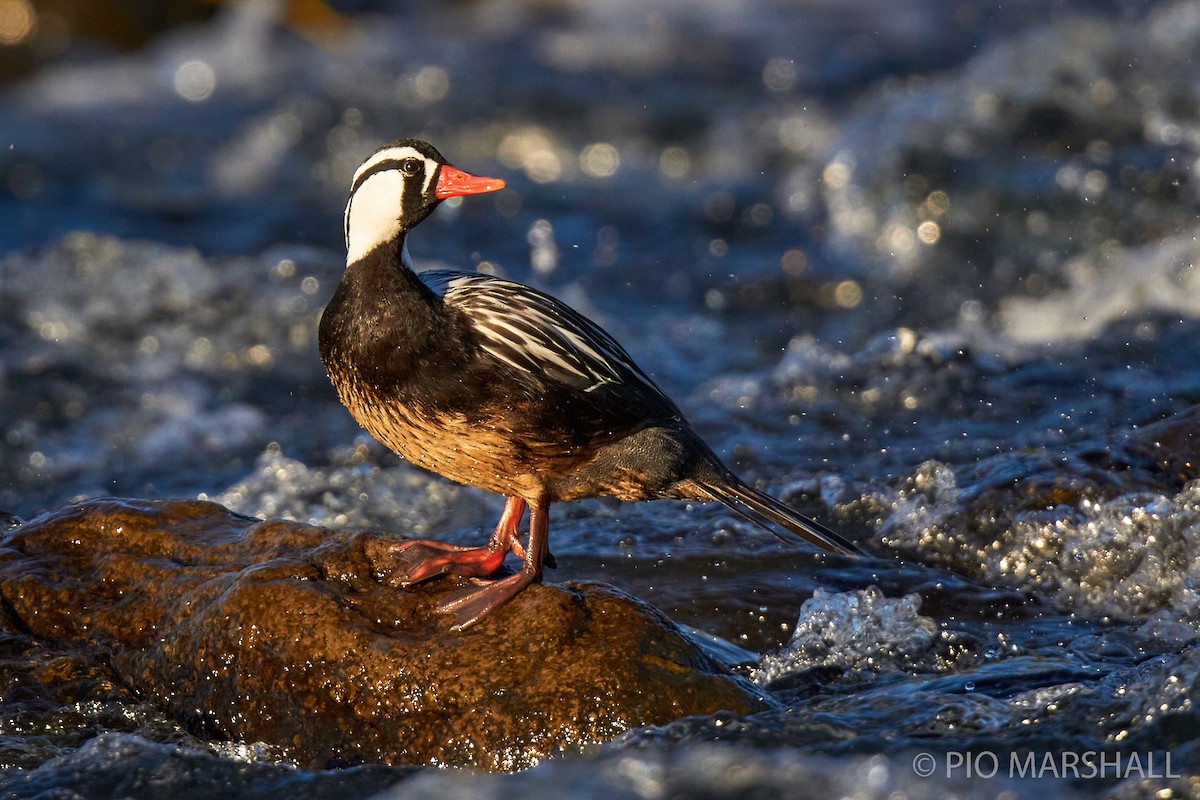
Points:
(289, 634)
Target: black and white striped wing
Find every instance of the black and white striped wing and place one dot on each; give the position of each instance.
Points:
(535, 333)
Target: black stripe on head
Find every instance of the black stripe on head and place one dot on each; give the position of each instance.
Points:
(418, 174)
(417, 164)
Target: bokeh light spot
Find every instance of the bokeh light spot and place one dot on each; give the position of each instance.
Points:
(847, 294)
(18, 21)
(599, 160)
(779, 75)
(674, 162)
(195, 81)
(432, 83)
(794, 262)
(532, 150)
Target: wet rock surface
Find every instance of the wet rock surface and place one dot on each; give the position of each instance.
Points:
(291, 635)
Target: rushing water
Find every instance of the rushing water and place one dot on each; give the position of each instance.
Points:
(925, 271)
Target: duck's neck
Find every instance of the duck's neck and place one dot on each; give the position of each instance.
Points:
(382, 318)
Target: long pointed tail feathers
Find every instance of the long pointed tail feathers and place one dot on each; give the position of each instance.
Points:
(773, 516)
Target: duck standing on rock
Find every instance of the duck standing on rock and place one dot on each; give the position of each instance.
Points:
(494, 384)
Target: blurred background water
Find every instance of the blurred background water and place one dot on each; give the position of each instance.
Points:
(926, 270)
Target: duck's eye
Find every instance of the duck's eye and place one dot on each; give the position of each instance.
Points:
(410, 166)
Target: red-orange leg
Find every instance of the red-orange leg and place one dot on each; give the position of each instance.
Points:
(472, 604)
